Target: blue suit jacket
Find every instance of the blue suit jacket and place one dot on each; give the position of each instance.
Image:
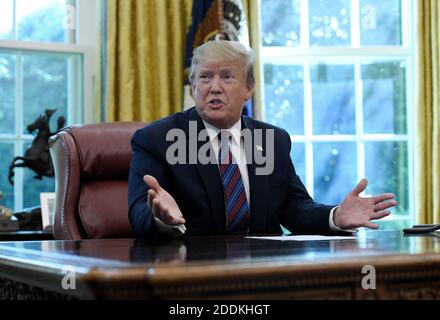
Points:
(276, 199)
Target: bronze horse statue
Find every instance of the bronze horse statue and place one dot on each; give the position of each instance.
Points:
(37, 156)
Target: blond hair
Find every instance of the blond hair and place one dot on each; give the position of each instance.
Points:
(224, 51)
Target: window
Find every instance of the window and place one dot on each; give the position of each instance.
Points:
(338, 77)
(41, 67)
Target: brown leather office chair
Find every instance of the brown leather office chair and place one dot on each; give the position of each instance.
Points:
(91, 165)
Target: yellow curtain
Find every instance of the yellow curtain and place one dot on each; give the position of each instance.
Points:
(145, 48)
(428, 111)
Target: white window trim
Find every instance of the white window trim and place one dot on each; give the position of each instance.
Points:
(79, 116)
(86, 31)
(335, 52)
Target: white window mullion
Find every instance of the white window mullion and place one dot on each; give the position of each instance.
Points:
(355, 26)
(74, 111)
(71, 32)
(70, 87)
(86, 87)
(19, 138)
(406, 28)
(411, 102)
(304, 24)
(14, 20)
(390, 53)
(308, 128)
(359, 116)
(262, 86)
(355, 138)
(43, 47)
(308, 146)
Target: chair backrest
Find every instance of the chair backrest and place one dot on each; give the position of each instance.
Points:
(91, 165)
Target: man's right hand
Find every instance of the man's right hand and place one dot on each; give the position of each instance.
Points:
(162, 204)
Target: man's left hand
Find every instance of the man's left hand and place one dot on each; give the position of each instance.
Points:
(356, 211)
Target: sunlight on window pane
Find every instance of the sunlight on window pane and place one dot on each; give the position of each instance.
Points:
(46, 74)
(297, 154)
(380, 22)
(386, 167)
(334, 166)
(41, 20)
(284, 91)
(329, 22)
(6, 16)
(280, 23)
(7, 93)
(333, 99)
(384, 97)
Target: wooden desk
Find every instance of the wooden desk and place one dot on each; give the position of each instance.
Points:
(407, 267)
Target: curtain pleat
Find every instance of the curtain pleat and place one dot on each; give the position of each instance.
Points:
(428, 111)
(145, 47)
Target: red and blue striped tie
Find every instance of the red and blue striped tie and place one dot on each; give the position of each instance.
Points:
(235, 196)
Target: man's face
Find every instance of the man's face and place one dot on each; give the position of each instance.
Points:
(220, 91)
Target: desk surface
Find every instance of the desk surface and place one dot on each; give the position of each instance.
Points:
(231, 267)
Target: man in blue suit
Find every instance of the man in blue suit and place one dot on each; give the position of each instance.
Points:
(210, 170)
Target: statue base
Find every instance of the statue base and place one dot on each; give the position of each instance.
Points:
(9, 225)
(29, 219)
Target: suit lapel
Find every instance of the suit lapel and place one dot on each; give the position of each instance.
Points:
(258, 184)
(210, 177)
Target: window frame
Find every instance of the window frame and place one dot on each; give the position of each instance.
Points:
(305, 56)
(81, 43)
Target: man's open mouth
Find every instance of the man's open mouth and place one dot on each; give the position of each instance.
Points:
(216, 102)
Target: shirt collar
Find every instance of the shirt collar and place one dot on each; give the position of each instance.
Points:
(235, 131)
